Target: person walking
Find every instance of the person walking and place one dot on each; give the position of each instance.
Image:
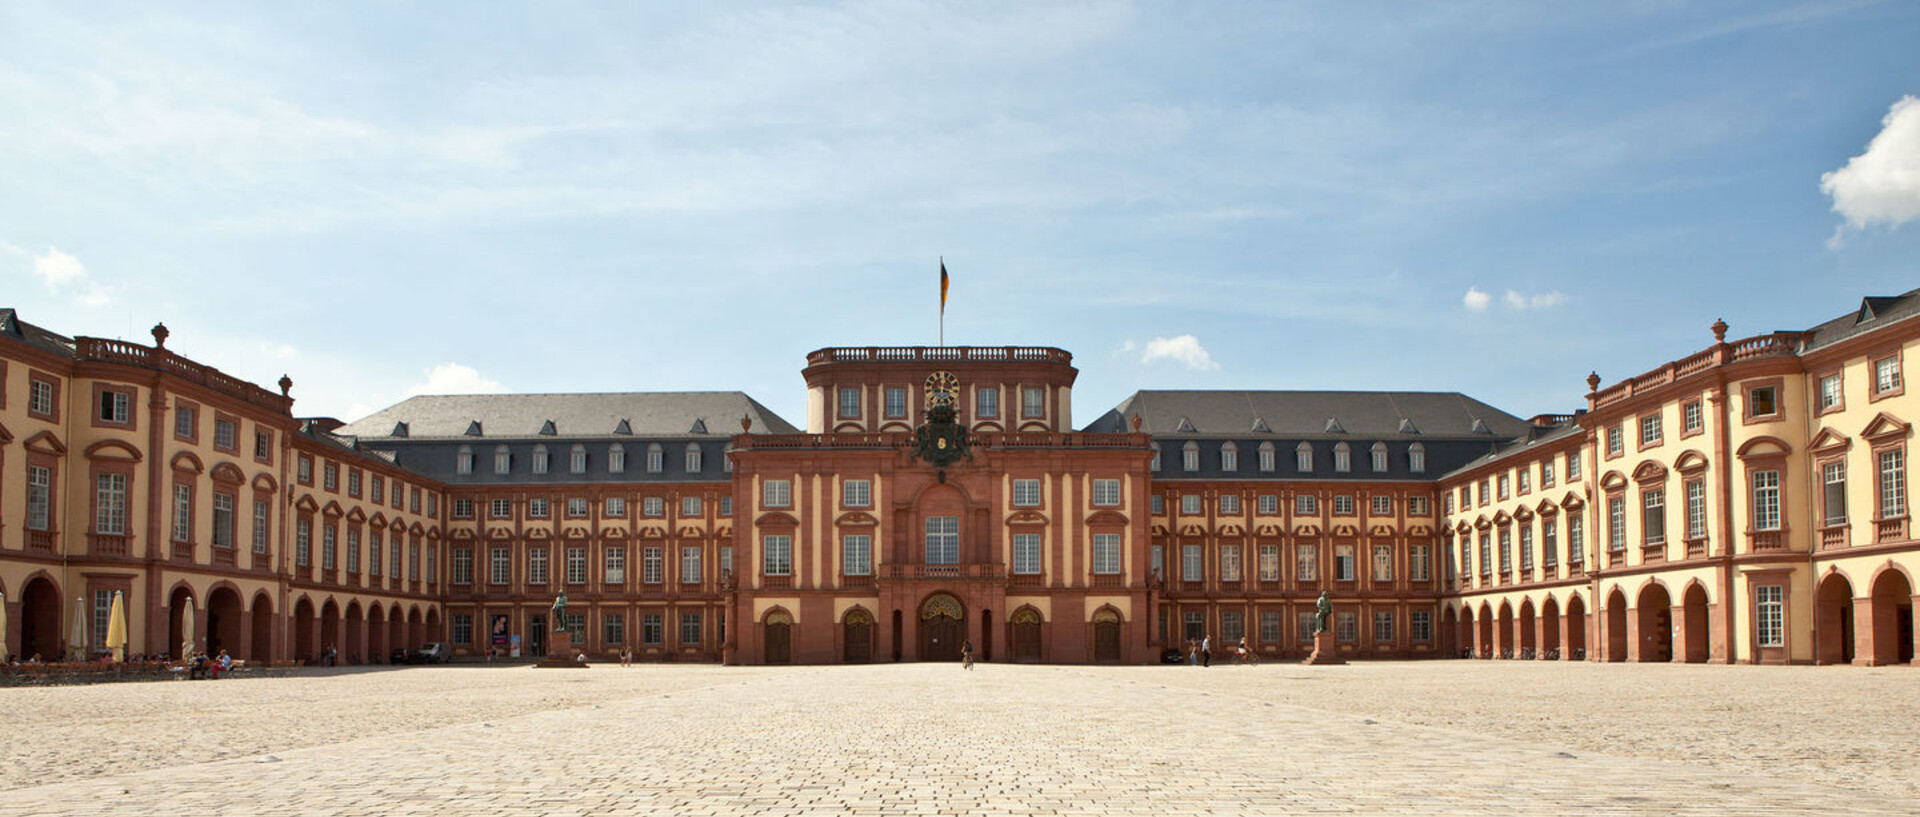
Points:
(1206, 651)
(966, 654)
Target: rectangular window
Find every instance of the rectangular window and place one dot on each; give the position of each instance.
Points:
(616, 507)
(1305, 505)
(1106, 553)
(379, 493)
(260, 512)
(1379, 460)
(115, 407)
(653, 565)
(577, 507)
(1417, 459)
(185, 421)
(503, 509)
(499, 568)
(856, 493)
(1523, 478)
(1419, 563)
(303, 469)
(1650, 430)
(1576, 539)
(1417, 506)
(1026, 493)
(1230, 505)
(943, 540)
(1653, 517)
(1106, 492)
(538, 508)
(262, 445)
(1830, 392)
(1307, 563)
(1506, 551)
(40, 398)
(1893, 483)
(1190, 457)
(1690, 417)
(1886, 374)
(1346, 627)
(1766, 500)
(856, 555)
(576, 565)
(1157, 560)
(1266, 457)
(656, 459)
(1304, 627)
(987, 403)
(1526, 550)
(376, 554)
(1573, 465)
(1233, 627)
(1270, 626)
(691, 571)
(653, 506)
(1486, 554)
(1616, 444)
(1770, 615)
(1156, 504)
(1761, 403)
(1383, 626)
(1191, 563)
(1546, 473)
(182, 512)
(462, 624)
(613, 562)
(1617, 523)
(1696, 509)
(653, 630)
(102, 615)
(577, 460)
(110, 503)
(1033, 402)
(776, 556)
(303, 543)
(463, 461)
(849, 402)
(690, 506)
(1230, 563)
(222, 520)
(693, 458)
(1383, 563)
(1268, 504)
(330, 477)
(1269, 563)
(1190, 504)
(1549, 542)
(1381, 506)
(463, 565)
(353, 482)
(463, 509)
(726, 506)
(1026, 554)
(776, 493)
(538, 560)
(1343, 505)
(1342, 459)
(1833, 493)
(689, 628)
(726, 558)
(613, 629)
(1504, 482)
(896, 402)
(1420, 625)
(502, 460)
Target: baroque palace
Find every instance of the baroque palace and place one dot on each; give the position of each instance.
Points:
(1745, 503)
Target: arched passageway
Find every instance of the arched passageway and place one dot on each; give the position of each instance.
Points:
(1833, 621)
(1616, 627)
(1892, 619)
(1656, 625)
(1695, 624)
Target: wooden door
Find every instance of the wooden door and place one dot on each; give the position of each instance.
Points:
(779, 643)
(940, 638)
(1106, 641)
(859, 642)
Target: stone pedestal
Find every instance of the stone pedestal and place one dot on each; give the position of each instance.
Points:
(1324, 650)
(560, 653)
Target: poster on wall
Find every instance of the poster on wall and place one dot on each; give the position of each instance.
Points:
(499, 630)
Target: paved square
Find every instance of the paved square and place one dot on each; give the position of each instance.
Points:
(1424, 738)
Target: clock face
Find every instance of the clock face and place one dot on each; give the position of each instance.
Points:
(942, 388)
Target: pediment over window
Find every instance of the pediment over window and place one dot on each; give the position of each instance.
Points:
(1501, 518)
(333, 509)
(1690, 461)
(1464, 528)
(1483, 522)
(1764, 447)
(379, 519)
(186, 462)
(45, 442)
(1016, 518)
(777, 519)
(227, 473)
(1106, 518)
(113, 450)
(306, 503)
(417, 529)
(1573, 501)
(265, 484)
(356, 516)
(1649, 471)
(1546, 508)
(1613, 480)
(1884, 427)
(1523, 513)
(433, 532)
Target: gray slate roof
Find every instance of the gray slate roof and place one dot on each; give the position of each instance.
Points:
(1874, 312)
(12, 327)
(574, 416)
(1305, 415)
(1537, 438)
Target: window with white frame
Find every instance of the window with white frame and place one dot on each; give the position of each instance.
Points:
(849, 402)
(613, 629)
(1770, 615)
(1383, 563)
(986, 403)
(1653, 519)
(1304, 627)
(694, 458)
(330, 476)
(463, 509)
(1343, 505)
(1833, 492)
(1190, 456)
(1419, 563)
(653, 506)
(39, 397)
(1026, 493)
(222, 520)
(1383, 626)
(462, 463)
(1026, 554)
(1270, 626)
(943, 540)
(1266, 458)
(184, 419)
(690, 628)
(653, 565)
(1229, 504)
(463, 565)
(1380, 505)
(1526, 548)
(1690, 418)
(776, 555)
(1342, 458)
(1229, 457)
(261, 513)
(1573, 465)
(1379, 456)
(1617, 523)
(1157, 560)
(1346, 627)
(538, 508)
(1523, 480)
(690, 507)
(1830, 392)
(656, 459)
(896, 405)
(1191, 559)
(502, 509)
(1417, 505)
(1486, 554)
(1156, 504)
(1033, 402)
(375, 553)
(776, 493)
(1106, 553)
(1546, 472)
(576, 565)
(690, 567)
(1303, 458)
(1233, 627)
(1154, 464)
(1269, 563)
(1230, 563)
(1306, 505)
(499, 568)
(540, 463)
(616, 459)
(856, 493)
(577, 459)
(1190, 504)
(1766, 500)
(1650, 430)
(1306, 562)
(537, 564)
(1576, 539)
(1506, 550)
(1417, 458)
(182, 512)
(856, 555)
(1893, 483)
(1549, 542)
(1420, 625)
(1267, 504)
(1886, 374)
(653, 629)
(110, 504)
(1505, 486)
(1616, 444)
(1106, 493)
(502, 459)
(613, 562)
(115, 406)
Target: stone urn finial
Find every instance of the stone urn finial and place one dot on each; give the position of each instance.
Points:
(160, 334)
(1720, 331)
(1136, 423)
(286, 385)
(746, 424)
(1593, 381)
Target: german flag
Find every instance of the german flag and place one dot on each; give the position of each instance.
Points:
(943, 286)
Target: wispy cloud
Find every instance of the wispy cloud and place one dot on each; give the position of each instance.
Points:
(1882, 185)
(1476, 300)
(1182, 349)
(455, 378)
(1517, 300)
(64, 274)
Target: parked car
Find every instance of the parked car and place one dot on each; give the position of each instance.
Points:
(433, 652)
(400, 655)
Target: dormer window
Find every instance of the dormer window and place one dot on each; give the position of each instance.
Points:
(502, 460)
(616, 459)
(1303, 458)
(577, 459)
(1229, 457)
(693, 458)
(1266, 457)
(1190, 457)
(1342, 458)
(656, 459)
(540, 459)
(462, 461)
(1155, 465)
(1379, 453)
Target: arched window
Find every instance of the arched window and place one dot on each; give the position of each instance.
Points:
(693, 458)
(726, 458)
(577, 459)
(1379, 458)
(540, 459)
(1190, 456)
(1266, 457)
(1417, 458)
(1155, 465)
(1342, 458)
(502, 459)
(1303, 458)
(616, 459)
(463, 461)
(656, 459)
(1229, 457)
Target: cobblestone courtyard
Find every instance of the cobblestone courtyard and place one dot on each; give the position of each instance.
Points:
(1428, 738)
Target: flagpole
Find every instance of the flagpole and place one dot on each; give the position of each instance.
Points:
(943, 301)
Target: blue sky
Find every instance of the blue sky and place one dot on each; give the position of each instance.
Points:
(1495, 198)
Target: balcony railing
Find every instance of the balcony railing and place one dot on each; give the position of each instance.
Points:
(1833, 537)
(902, 440)
(965, 571)
(939, 354)
(133, 354)
(1697, 548)
(1025, 580)
(108, 544)
(1890, 530)
(1766, 540)
(1778, 344)
(41, 541)
(1108, 580)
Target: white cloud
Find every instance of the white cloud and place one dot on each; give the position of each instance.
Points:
(64, 273)
(1185, 349)
(1476, 300)
(1881, 185)
(1518, 300)
(454, 378)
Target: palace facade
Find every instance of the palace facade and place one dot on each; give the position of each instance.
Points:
(1744, 503)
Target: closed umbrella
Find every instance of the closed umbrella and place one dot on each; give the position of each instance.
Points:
(3, 627)
(77, 634)
(186, 631)
(117, 628)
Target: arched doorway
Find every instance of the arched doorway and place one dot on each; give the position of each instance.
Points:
(1892, 619)
(1693, 618)
(779, 637)
(417, 630)
(355, 651)
(1549, 628)
(1616, 626)
(260, 648)
(397, 633)
(943, 625)
(1026, 634)
(1576, 629)
(1466, 632)
(1449, 632)
(1656, 625)
(1833, 620)
(434, 633)
(303, 647)
(1106, 634)
(856, 635)
(1526, 622)
(1483, 642)
(40, 621)
(223, 621)
(1503, 634)
(377, 646)
(985, 653)
(330, 628)
(176, 621)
